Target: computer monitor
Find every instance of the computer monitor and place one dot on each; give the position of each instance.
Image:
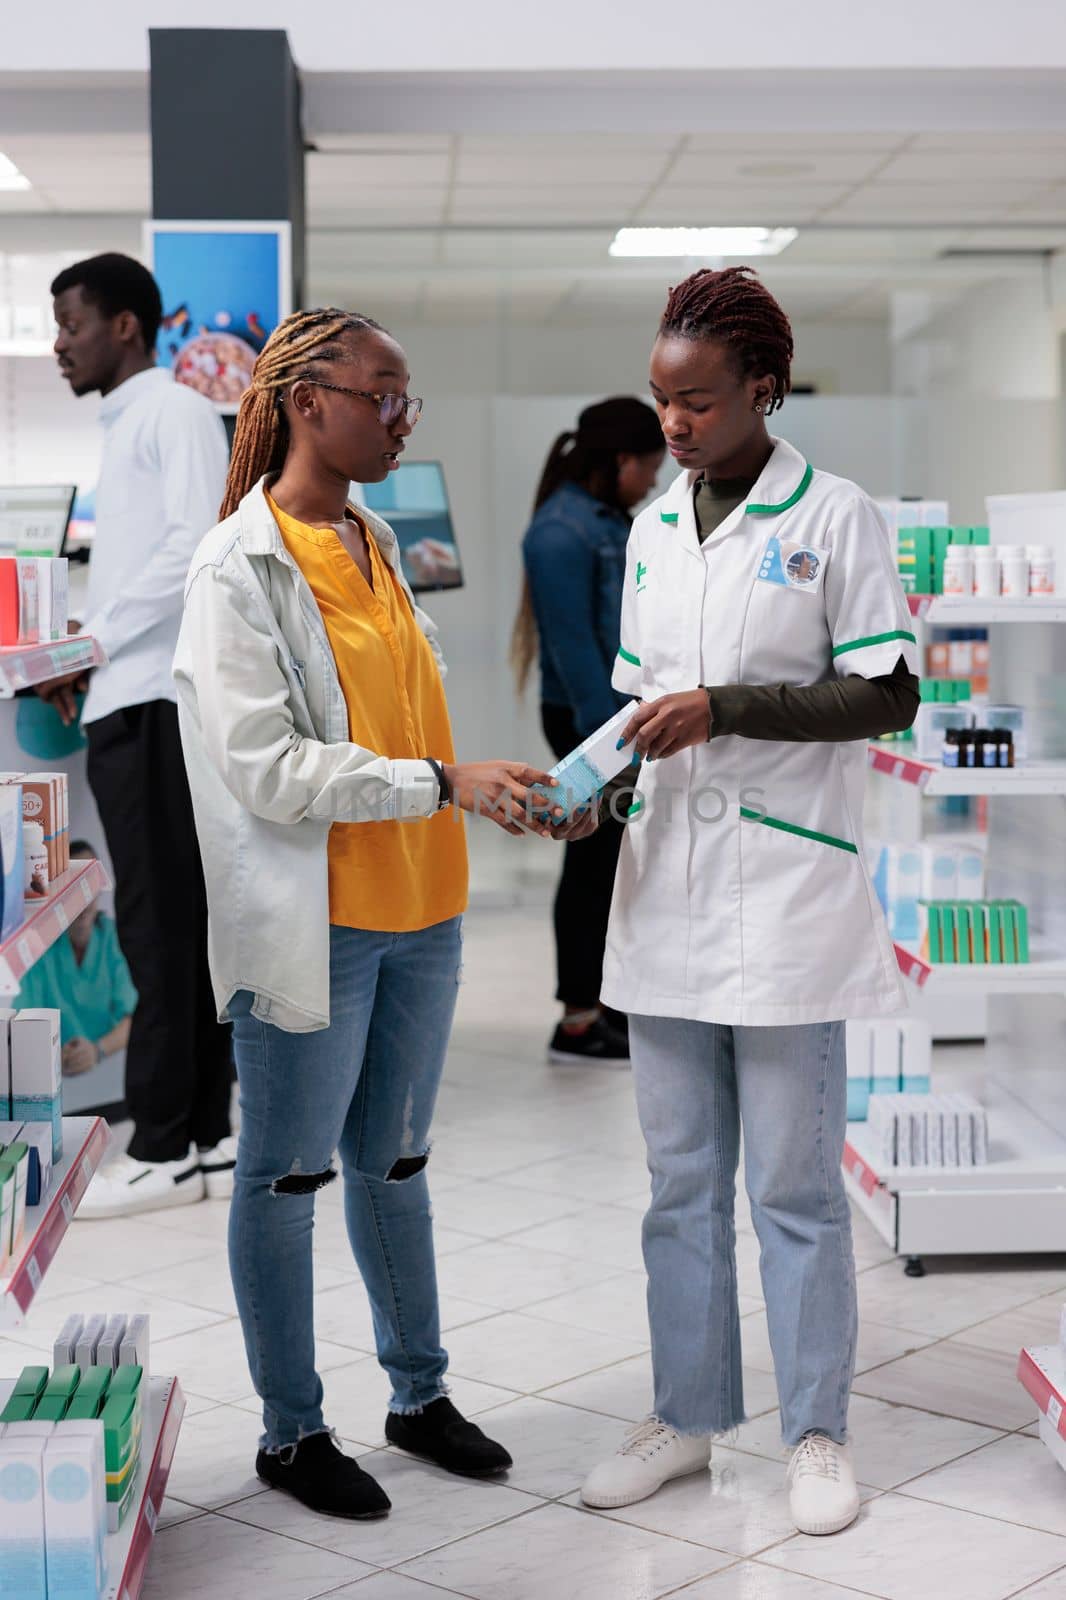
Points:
(34, 518)
(413, 500)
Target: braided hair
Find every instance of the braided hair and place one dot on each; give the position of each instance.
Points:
(732, 307)
(296, 349)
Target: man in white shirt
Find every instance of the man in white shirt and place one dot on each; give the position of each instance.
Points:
(161, 480)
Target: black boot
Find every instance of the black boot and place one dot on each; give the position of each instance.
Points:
(441, 1434)
(322, 1477)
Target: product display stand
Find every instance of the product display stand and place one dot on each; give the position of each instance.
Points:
(85, 1142)
(46, 920)
(1017, 1201)
(26, 666)
(1042, 1374)
(128, 1549)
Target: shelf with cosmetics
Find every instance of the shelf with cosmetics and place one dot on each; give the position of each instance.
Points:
(47, 920)
(85, 1141)
(128, 1550)
(27, 666)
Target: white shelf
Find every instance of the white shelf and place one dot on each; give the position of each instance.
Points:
(85, 1141)
(1030, 779)
(970, 611)
(1045, 973)
(25, 666)
(128, 1549)
(1016, 1200)
(47, 919)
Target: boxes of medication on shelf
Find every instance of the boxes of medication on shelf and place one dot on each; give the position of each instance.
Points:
(973, 933)
(36, 1072)
(19, 600)
(886, 1057)
(12, 871)
(928, 1130)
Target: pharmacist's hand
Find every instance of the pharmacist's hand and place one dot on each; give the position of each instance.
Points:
(585, 821)
(79, 1055)
(60, 694)
(501, 790)
(670, 724)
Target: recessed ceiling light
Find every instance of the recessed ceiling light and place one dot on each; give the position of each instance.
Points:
(10, 176)
(701, 241)
(777, 169)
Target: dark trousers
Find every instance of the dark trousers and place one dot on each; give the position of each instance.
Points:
(178, 1063)
(583, 899)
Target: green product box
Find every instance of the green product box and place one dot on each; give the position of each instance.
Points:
(936, 933)
(126, 1380)
(995, 933)
(31, 1380)
(928, 689)
(980, 536)
(949, 934)
(959, 535)
(91, 1395)
(964, 935)
(1010, 938)
(52, 1407)
(19, 1408)
(915, 558)
(1023, 932)
(961, 688)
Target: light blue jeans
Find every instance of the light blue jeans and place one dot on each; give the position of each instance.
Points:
(365, 1086)
(697, 1083)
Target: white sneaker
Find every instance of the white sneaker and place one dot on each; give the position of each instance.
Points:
(650, 1455)
(823, 1495)
(217, 1166)
(125, 1187)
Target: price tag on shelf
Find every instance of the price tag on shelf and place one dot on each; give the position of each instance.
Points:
(86, 1169)
(66, 1207)
(151, 1516)
(25, 952)
(1054, 1410)
(33, 1272)
(86, 889)
(858, 1167)
(61, 916)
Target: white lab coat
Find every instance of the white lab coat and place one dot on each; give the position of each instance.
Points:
(742, 893)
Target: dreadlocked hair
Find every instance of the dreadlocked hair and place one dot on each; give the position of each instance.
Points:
(732, 307)
(297, 348)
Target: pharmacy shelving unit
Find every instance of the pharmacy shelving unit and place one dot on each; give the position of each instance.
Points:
(1020, 1195)
(128, 1549)
(85, 1141)
(47, 919)
(1042, 1374)
(26, 666)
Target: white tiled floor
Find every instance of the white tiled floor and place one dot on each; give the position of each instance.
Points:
(538, 1185)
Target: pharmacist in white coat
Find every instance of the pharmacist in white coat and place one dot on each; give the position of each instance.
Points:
(766, 634)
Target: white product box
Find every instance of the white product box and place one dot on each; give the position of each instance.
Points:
(7, 1214)
(859, 1054)
(12, 862)
(53, 601)
(883, 1129)
(6, 1019)
(933, 720)
(22, 1528)
(75, 1515)
(109, 1349)
(29, 600)
(886, 1058)
(964, 1113)
(903, 889)
(950, 1120)
(585, 770)
(88, 1339)
(135, 1344)
(934, 1136)
(939, 871)
(970, 872)
(916, 1055)
(36, 1072)
(63, 1352)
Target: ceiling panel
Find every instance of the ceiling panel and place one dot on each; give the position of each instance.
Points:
(574, 166)
(975, 166)
(785, 165)
(326, 172)
(722, 204)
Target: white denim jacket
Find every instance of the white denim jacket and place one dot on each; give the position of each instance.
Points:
(264, 726)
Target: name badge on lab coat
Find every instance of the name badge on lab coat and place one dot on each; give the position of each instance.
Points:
(793, 565)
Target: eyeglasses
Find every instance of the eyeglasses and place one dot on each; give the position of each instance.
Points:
(390, 406)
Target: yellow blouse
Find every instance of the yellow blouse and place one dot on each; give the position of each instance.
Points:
(390, 877)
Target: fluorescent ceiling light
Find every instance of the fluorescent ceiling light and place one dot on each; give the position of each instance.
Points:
(696, 242)
(10, 176)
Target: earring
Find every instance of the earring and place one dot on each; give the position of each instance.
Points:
(759, 410)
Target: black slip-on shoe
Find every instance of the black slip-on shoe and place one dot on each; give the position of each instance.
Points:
(323, 1478)
(441, 1434)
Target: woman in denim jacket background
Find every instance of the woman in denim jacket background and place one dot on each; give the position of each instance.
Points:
(574, 553)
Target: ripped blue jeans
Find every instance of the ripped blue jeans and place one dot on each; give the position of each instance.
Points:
(366, 1087)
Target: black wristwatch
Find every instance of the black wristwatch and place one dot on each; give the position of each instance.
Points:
(444, 789)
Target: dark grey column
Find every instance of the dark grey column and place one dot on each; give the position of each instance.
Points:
(227, 133)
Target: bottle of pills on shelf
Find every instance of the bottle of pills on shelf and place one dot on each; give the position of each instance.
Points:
(1015, 571)
(950, 754)
(35, 857)
(986, 572)
(958, 570)
(1041, 568)
(1004, 747)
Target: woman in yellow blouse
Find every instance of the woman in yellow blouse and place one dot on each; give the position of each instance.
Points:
(327, 802)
